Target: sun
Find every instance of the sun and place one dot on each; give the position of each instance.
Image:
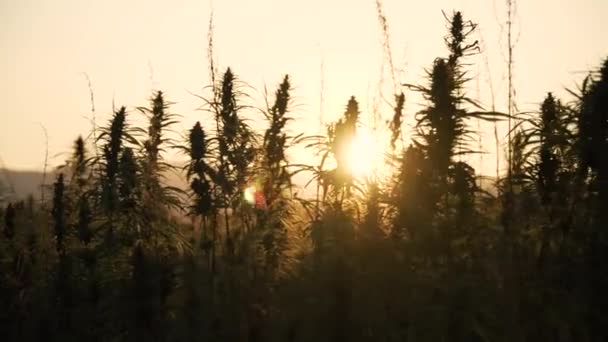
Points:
(364, 154)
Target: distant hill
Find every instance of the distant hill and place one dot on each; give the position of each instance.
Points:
(25, 183)
(17, 184)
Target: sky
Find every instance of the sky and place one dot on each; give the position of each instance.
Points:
(130, 48)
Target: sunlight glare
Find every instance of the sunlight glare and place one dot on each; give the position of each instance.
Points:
(364, 154)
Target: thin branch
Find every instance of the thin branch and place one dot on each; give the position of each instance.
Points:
(46, 157)
(93, 113)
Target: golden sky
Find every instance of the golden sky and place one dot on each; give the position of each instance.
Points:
(130, 47)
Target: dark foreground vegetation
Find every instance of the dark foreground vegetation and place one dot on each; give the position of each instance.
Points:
(115, 254)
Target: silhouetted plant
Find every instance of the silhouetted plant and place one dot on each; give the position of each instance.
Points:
(64, 287)
(590, 120)
(127, 180)
(341, 135)
(275, 144)
(79, 163)
(397, 122)
(463, 187)
(113, 137)
(235, 146)
(548, 136)
(276, 177)
(201, 175)
(411, 196)
(160, 121)
(79, 192)
(199, 171)
(9, 221)
(85, 218)
(373, 219)
(59, 214)
(443, 125)
(548, 139)
(591, 144)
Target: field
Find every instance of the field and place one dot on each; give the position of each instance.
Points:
(241, 243)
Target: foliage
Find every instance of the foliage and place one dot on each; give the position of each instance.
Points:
(426, 254)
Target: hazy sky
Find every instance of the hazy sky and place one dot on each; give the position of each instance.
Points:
(129, 47)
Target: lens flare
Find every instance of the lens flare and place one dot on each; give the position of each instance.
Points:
(249, 195)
